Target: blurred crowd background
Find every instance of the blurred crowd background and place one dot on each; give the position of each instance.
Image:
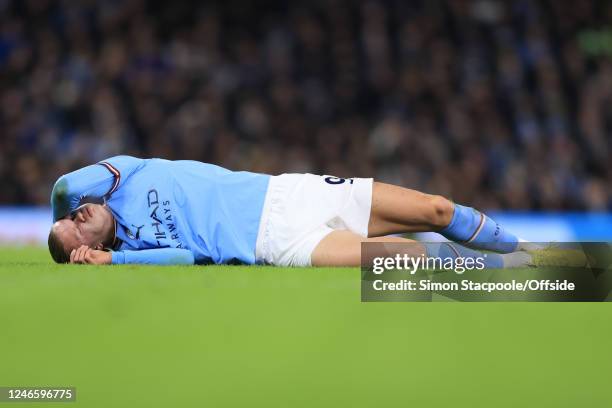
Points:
(492, 103)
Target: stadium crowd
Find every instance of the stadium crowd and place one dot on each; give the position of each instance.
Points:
(496, 104)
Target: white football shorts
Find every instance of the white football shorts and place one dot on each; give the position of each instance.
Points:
(301, 209)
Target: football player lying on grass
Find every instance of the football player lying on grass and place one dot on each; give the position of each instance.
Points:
(155, 211)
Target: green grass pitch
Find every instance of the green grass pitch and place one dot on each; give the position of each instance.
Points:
(225, 336)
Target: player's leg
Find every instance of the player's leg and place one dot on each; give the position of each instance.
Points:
(400, 210)
(343, 248)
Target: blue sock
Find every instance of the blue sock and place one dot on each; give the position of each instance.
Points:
(474, 229)
(454, 251)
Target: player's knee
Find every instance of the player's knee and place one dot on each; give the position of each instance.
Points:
(441, 211)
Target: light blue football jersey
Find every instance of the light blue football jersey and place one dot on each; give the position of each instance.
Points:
(171, 212)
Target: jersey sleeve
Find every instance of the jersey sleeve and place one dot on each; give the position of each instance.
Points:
(159, 256)
(72, 189)
(90, 183)
(121, 167)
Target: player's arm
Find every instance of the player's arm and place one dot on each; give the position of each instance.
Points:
(160, 256)
(71, 189)
(91, 182)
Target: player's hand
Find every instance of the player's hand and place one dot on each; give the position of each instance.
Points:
(86, 255)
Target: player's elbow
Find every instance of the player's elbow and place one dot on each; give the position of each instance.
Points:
(60, 190)
(441, 211)
(60, 198)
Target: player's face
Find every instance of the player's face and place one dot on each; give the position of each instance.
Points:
(89, 225)
(92, 224)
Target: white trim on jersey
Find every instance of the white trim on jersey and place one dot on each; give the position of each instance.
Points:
(115, 173)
